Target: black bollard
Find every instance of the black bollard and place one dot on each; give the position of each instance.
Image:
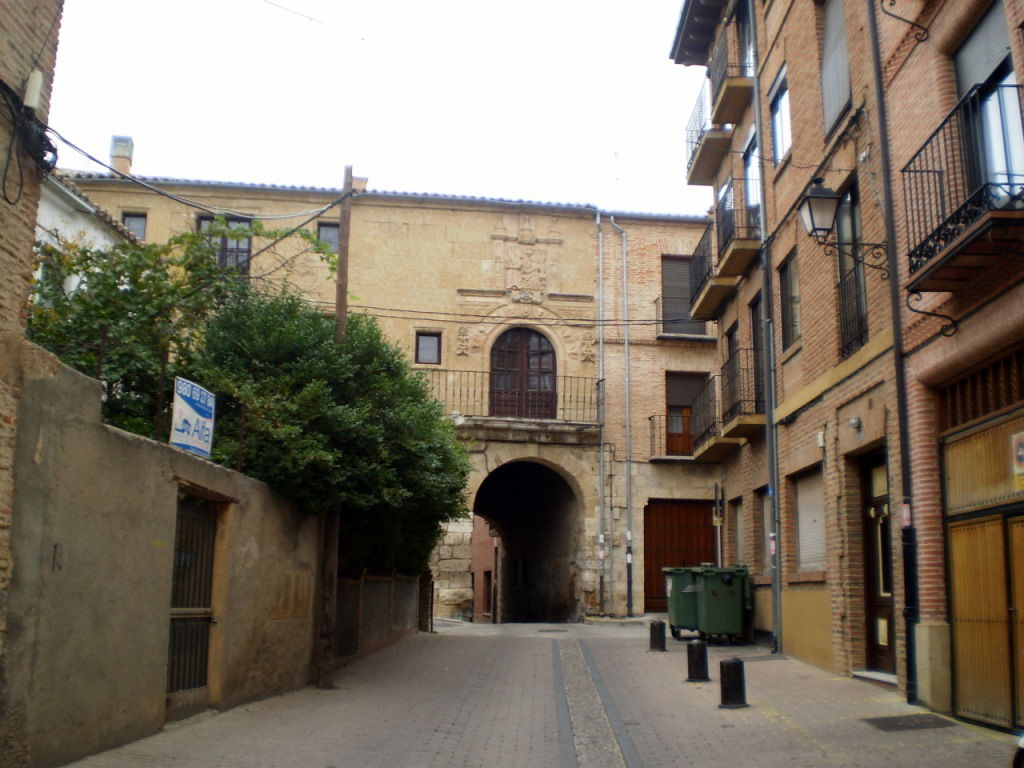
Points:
(697, 661)
(734, 686)
(657, 635)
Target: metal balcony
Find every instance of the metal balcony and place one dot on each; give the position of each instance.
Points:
(964, 191)
(707, 143)
(738, 226)
(708, 290)
(743, 395)
(543, 397)
(666, 443)
(709, 444)
(731, 71)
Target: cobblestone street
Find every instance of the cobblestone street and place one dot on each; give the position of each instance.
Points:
(565, 695)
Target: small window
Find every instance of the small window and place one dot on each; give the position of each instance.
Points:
(782, 136)
(810, 523)
(428, 347)
(790, 289)
(328, 232)
(234, 252)
(135, 223)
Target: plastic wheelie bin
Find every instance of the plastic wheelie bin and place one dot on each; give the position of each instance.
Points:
(723, 600)
(681, 594)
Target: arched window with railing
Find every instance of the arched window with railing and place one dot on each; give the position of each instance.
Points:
(523, 375)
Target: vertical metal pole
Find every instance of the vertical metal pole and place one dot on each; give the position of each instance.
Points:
(627, 396)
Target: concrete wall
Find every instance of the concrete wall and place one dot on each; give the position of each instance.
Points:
(93, 539)
(374, 611)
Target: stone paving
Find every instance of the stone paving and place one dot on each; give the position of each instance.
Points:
(564, 696)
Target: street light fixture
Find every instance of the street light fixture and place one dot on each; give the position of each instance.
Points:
(818, 210)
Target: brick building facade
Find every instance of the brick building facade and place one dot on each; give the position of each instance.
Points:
(29, 31)
(853, 377)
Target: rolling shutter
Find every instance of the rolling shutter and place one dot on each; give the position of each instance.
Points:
(810, 522)
(835, 67)
(983, 51)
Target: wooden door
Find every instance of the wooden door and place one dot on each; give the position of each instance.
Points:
(880, 630)
(676, 533)
(523, 372)
(678, 434)
(1016, 531)
(980, 621)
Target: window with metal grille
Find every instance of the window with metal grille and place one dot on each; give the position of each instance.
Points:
(234, 251)
(850, 289)
(998, 385)
(789, 286)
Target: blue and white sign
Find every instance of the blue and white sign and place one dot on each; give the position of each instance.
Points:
(192, 423)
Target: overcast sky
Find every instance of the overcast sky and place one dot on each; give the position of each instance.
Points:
(573, 101)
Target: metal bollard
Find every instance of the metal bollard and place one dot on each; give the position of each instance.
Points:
(734, 686)
(697, 661)
(657, 635)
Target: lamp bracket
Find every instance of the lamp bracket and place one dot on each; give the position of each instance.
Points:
(922, 32)
(949, 329)
(874, 255)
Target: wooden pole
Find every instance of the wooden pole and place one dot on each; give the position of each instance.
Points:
(344, 229)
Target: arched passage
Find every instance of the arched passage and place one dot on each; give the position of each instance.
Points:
(537, 516)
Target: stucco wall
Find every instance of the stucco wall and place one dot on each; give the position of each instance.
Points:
(93, 542)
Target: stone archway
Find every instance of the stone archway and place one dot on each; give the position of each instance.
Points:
(537, 516)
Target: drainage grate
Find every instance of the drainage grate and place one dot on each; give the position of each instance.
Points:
(909, 722)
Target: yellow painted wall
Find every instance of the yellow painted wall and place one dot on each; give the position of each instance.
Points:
(807, 625)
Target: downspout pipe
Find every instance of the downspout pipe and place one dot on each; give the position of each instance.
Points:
(768, 342)
(911, 595)
(603, 499)
(628, 415)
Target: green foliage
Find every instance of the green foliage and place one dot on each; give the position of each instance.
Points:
(347, 428)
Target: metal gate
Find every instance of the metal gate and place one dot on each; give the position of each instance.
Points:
(191, 606)
(676, 533)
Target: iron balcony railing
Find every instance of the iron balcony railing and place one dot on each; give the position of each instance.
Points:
(540, 396)
(698, 124)
(730, 58)
(671, 435)
(853, 315)
(972, 164)
(701, 265)
(737, 213)
(742, 388)
(705, 421)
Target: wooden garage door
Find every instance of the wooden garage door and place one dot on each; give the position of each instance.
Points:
(1016, 527)
(676, 533)
(980, 619)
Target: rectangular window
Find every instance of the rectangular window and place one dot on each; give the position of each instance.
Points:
(851, 289)
(328, 232)
(782, 137)
(810, 522)
(757, 347)
(135, 223)
(675, 298)
(835, 67)
(428, 347)
(789, 287)
(681, 389)
(234, 252)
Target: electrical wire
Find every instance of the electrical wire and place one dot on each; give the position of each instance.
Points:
(303, 15)
(213, 210)
(15, 112)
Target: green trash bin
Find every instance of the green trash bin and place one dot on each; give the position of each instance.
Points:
(723, 599)
(681, 594)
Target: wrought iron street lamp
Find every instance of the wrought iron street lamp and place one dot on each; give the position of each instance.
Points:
(818, 210)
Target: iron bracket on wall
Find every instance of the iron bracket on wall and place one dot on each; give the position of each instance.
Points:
(949, 329)
(872, 255)
(922, 32)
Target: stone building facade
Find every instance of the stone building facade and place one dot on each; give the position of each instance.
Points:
(854, 429)
(542, 328)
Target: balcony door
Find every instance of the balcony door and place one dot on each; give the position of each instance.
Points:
(523, 382)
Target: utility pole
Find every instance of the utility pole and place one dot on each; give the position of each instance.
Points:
(332, 524)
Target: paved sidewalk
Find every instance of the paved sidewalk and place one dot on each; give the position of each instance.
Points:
(563, 696)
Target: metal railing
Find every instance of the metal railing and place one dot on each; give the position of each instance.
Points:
(529, 396)
(666, 443)
(853, 316)
(728, 59)
(705, 422)
(673, 316)
(742, 390)
(736, 217)
(698, 124)
(701, 265)
(972, 163)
